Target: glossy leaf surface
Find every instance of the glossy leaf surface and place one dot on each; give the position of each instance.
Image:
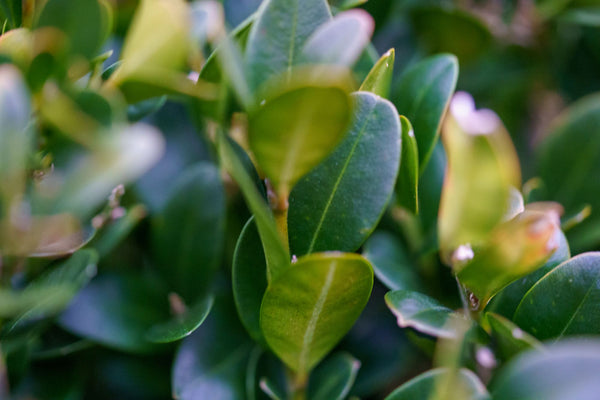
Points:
(509, 339)
(312, 305)
(422, 95)
(407, 187)
(379, 79)
(338, 204)
(333, 378)
(182, 325)
(564, 301)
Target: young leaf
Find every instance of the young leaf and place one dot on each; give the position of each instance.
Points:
(422, 313)
(338, 204)
(407, 187)
(508, 337)
(291, 133)
(333, 378)
(391, 262)
(571, 176)
(567, 370)
(482, 167)
(182, 325)
(467, 386)
(249, 278)
(339, 41)
(564, 301)
(380, 77)
(278, 35)
(277, 256)
(312, 305)
(189, 234)
(422, 95)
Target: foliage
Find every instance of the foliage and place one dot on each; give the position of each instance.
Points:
(243, 199)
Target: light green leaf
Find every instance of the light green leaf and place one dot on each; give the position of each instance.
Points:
(407, 187)
(277, 256)
(422, 95)
(585, 16)
(182, 325)
(333, 378)
(292, 133)
(379, 79)
(565, 301)
(509, 339)
(189, 234)
(571, 176)
(278, 35)
(327, 211)
(312, 305)
(467, 386)
(339, 41)
(482, 167)
(567, 370)
(422, 313)
(391, 262)
(249, 278)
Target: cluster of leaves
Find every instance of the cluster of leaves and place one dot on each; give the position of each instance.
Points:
(197, 213)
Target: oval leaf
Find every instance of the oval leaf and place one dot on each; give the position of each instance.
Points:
(333, 378)
(422, 95)
(188, 236)
(312, 305)
(407, 187)
(278, 35)
(565, 301)
(338, 204)
(509, 339)
(181, 325)
(422, 313)
(380, 77)
(291, 133)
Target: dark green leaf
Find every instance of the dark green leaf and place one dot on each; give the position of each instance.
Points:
(422, 95)
(407, 187)
(338, 204)
(379, 79)
(312, 305)
(565, 301)
(278, 35)
(116, 311)
(333, 378)
(422, 313)
(117, 230)
(509, 339)
(567, 370)
(12, 11)
(188, 235)
(391, 263)
(182, 325)
(249, 278)
(467, 386)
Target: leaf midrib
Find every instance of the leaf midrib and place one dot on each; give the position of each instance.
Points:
(579, 306)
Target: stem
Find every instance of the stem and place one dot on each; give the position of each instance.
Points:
(282, 226)
(300, 381)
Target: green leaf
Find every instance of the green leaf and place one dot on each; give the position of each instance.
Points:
(271, 389)
(52, 291)
(571, 176)
(333, 378)
(12, 11)
(249, 278)
(566, 370)
(339, 41)
(467, 386)
(379, 79)
(212, 362)
(514, 249)
(422, 313)
(277, 256)
(312, 305)
(506, 302)
(422, 95)
(278, 35)
(292, 133)
(509, 339)
(16, 139)
(189, 234)
(391, 263)
(407, 187)
(339, 203)
(182, 325)
(111, 235)
(564, 302)
(482, 167)
(86, 25)
(585, 16)
(116, 311)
